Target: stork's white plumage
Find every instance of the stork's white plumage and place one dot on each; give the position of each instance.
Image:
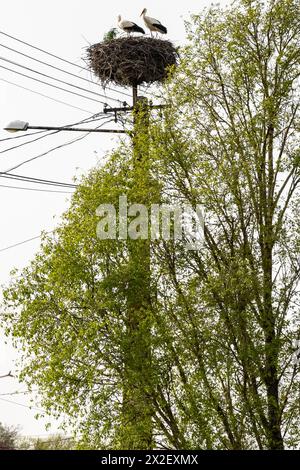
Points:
(129, 26)
(153, 24)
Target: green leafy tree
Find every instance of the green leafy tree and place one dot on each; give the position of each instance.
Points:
(74, 299)
(223, 319)
(231, 142)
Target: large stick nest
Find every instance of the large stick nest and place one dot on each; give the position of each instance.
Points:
(132, 61)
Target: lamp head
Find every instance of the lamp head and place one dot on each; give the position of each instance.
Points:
(16, 126)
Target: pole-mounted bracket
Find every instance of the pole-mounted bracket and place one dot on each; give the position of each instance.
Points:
(127, 109)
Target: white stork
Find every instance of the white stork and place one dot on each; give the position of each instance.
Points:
(129, 26)
(153, 24)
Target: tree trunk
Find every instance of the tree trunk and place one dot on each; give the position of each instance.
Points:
(274, 436)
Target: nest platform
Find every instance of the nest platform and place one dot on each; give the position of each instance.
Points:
(132, 61)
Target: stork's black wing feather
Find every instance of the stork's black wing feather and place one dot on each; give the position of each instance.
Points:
(134, 29)
(161, 28)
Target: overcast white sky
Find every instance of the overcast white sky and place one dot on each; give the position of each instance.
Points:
(62, 27)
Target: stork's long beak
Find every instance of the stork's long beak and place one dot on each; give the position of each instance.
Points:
(142, 12)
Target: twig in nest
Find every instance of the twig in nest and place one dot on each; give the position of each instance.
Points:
(132, 61)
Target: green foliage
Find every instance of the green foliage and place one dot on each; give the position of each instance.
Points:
(57, 442)
(220, 320)
(111, 35)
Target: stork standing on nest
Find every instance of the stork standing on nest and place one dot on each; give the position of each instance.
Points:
(129, 26)
(153, 24)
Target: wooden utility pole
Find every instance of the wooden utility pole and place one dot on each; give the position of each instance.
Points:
(137, 407)
(136, 431)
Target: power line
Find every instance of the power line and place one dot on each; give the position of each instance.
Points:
(21, 404)
(43, 154)
(57, 79)
(25, 392)
(62, 70)
(22, 243)
(49, 65)
(30, 179)
(37, 180)
(59, 58)
(21, 136)
(84, 121)
(45, 96)
(35, 189)
(52, 149)
(28, 142)
(51, 85)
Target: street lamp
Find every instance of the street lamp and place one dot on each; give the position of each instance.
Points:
(17, 126)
